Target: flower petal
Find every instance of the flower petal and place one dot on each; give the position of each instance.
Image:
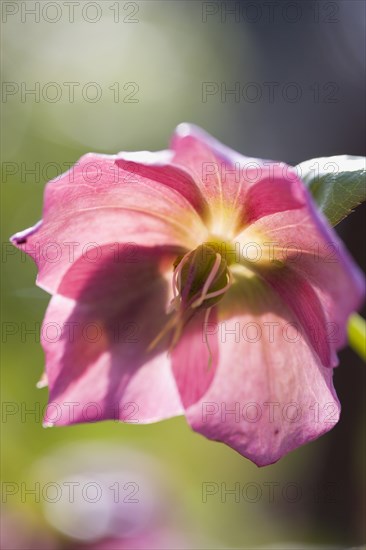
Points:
(194, 155)
(318, 269)
(96, 335)
(195, 357)
(304, 302)
(96, 203)
(270, 192)
(270, 393)
(153, 168)
(223, 152)
(226, 177)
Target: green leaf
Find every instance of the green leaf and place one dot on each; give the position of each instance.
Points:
(357, 335)
(338, 184)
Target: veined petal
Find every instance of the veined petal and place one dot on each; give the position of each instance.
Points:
(96, 203)
(96, 335)
(226, 178)
(300, 296)
(152, 167)
(223, 152)
(195, 358)
(299, 242)
(270, 393)
(195, 156)
(270, 192)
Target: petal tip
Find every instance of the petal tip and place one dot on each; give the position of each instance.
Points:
(41, 384)
(22, 236)
(148, 158)
(46, 424)
(183, 129)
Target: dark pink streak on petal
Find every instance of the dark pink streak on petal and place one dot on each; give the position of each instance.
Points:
(301, 298)
(95, 204)
(193, 365)
(318, 260)
(270, 195)
(194, 155)
(173, 177)
(270, 394)
(252, 188)
(109, 314)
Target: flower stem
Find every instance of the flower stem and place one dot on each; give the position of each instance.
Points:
(357, 335)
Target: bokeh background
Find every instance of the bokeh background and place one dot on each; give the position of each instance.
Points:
(140, 68)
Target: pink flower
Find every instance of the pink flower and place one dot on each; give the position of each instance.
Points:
(195, 281)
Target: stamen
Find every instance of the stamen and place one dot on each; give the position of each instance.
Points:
(174, 304)
(168, 326)
(179, 277)
(207, 295)
(198, 302)
(195, 274)
(205, 323)
(212, 275)
(208, 281)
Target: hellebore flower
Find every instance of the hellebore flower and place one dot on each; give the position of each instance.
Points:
(197, 281)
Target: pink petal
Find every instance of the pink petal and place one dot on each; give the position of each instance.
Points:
(321, 273)
(96, 203)
(270, 393)
(301, 297)
(166, 174)
(195, 156)
(194, 360)
(96, 335)
(269, 199)
(270, 193)
(221, 151)
(228, 178)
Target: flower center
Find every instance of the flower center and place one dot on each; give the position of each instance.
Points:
(201, 278)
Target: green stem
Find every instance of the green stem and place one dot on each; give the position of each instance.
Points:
(357, 335)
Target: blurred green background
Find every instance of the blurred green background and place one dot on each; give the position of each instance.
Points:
(149, 62)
